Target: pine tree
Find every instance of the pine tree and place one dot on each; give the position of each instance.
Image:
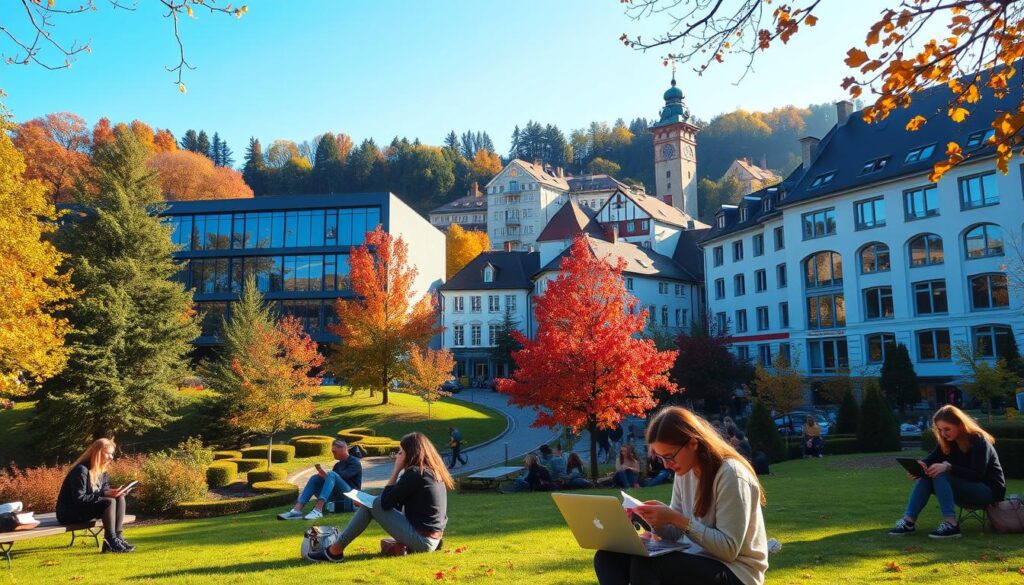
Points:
(203, 144)
(190, 141)
(514, 150)
(227, 158)
(215, 150)
(132, 325)
(327, 166)
(849, 415)
(451, 141)
(486, 143)
(505, 343)
(899, 381)
(764, 435)
(877, 429)
(254, 171)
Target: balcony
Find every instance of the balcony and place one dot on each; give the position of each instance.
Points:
(511, 219)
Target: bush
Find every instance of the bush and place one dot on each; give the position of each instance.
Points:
(221, 473)
(168, 481)
(312, 445)
(877, 429)
(272, 474)
(218, 455)
(36, 487)
(763, 434)
(126, 469)
(271, 495)
(191, 451)
(278, 453)
(838, 444)
(246, 465)
(848, 416)
(356, 433)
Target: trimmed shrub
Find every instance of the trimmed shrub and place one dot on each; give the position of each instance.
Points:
(312, 445)
(382, 449)
(247, 465)
(278, 453)
(271, 495)
(763, 434)
(272, 474)
(356, 433)
(838, 444)
(35, 487)
(877, 429)
(221, 473)
(168, 482)
(218, 455)
(849, 415)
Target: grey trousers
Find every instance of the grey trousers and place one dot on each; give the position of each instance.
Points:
(392, 521)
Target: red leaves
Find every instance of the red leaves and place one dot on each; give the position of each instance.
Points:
(855, 57)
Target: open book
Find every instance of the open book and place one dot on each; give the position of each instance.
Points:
(363, 498)
(629, 504)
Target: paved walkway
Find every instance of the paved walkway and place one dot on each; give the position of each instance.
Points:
(517, 440)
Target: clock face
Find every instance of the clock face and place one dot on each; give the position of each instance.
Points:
(688, 152)
(667, 151)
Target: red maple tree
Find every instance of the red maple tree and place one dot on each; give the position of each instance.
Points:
(588, 368)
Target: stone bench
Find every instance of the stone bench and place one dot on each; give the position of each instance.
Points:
(48, 526)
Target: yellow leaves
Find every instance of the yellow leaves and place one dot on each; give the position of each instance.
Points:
(958, 114)
(973, 95)
(855, 57)
(188, 9)
(181, 87)
(915, 123)
(811, 20)
(954, 156)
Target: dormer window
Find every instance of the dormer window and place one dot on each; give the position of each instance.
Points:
(766, 204)
(721, 221)
(874, 165)
(920, 153)
(743, 214)
(488, 273)
(981, 137)
(823, 179)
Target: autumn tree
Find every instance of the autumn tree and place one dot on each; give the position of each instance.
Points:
(484, 165)
(163, 141)
(280, 152)
(588, 367)
(133, 325)
(382, 323)
(601, 166)
(265, 372)
(55, 148)
(187, 176)
(781, 387)
(989, 381)
(893, 64)
(31, 336)
(426, 370)
(102, 133)
(462, 247)
(705, 367)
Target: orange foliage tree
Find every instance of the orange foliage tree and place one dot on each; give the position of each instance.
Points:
(462, 246)
(979, 53)
(485, 165)
(186, 176)
(382, 324)
(426, 370)
(56, 150)
(588, 368)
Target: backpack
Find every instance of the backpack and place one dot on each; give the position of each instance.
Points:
(1007, 516)
(317, 538)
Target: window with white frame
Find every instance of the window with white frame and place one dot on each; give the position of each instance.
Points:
(719, 288)
(629, 283)
(741, 321)
(784, 315)
(474, 335)
(743, 353)
(679, 290)
(762, 319)
(458, 335)
(764, 354)
(989, 291)
(493, 304)
(457, 304)
(878, 345)
(721, 323)
(760, 280)
(757, 242)
(719, 255)
(492, 333)
(489, 273)
(933, 345)
(780, 238)
(780, 275)
(662, 288)
(664, 315)
(739, 285)
(737, 250)
(475, 304)
(510, 303)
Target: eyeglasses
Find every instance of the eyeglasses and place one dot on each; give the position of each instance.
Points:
(670, 459)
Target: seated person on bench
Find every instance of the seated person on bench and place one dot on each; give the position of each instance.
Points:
(86, 495)
(328, 486)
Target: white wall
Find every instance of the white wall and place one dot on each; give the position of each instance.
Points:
(426, 245)
(467, 318)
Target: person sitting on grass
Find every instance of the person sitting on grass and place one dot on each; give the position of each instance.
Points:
(812, 442)
(627, 468)
(575, 478)
(86, 495)
(963, 469)
(553, 460)
(656, 472)
(716, 503)
(329, 486)
(413, 508)
(538, 478)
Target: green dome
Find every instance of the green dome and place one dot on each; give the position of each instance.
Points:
(673, 93)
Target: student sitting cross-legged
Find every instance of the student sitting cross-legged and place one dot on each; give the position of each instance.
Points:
(716, 504)
(963, 469)
(328, 486)
(418, 487)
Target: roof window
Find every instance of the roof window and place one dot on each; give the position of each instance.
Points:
(920, 153)
(743, 214)
(981, 137)
(766, 204)
(874, 165)
(823, 179)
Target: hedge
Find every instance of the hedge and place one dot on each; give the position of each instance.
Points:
(271, 495)
(247, 465)
(217, 455)
(763, 434)
(381, 449)
(356, 434)
(272, 474)
(312, 445)
(838, 444)
(278, 453)
(221, 473)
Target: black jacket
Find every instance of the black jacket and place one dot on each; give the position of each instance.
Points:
(424, 499)
(78, 497)
(351, 470)
(980, 463)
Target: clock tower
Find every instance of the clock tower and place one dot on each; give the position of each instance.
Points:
(675, 154)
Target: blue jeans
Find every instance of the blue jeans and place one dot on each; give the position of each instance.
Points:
(329, 489)
(950, 491)
(393, 522)
(663, 476)
(625, 478)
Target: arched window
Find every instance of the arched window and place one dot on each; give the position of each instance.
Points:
(984, 240)
(925, 250)
(991, 341)
(874, 257)
(489, 273)
(988, 291)
(823, 269)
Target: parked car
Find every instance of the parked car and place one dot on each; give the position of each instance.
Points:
(794, 422)
(452, 386)
(910, 431)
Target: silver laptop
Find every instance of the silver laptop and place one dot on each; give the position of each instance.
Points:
(600, 523)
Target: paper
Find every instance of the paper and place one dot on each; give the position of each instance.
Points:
(362, 497)
(629, 502)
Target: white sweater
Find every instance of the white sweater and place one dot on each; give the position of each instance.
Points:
(733, 529)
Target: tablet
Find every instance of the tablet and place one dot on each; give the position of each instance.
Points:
(911, 465)
(129, 487)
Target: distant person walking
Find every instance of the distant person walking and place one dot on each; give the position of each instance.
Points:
(455, 442)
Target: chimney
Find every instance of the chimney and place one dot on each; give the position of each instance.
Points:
(689, 224)
(560, 172)
(508, 246)
(844, 109)
(474, 189)
(611, 232)
(808, 150)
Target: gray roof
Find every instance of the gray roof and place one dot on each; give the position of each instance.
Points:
(569, 221)
(688, 254)
(640, 261)
(464, 204)
(512, 271)
(754, 206)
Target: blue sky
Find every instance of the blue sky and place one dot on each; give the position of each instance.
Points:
(293, 70)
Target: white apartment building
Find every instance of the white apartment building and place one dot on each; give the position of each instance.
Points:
(857, 250)
(521, 200)
(470, 212)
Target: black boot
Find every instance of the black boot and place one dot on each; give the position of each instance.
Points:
(111, 545)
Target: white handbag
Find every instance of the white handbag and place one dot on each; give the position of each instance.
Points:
(317, 538)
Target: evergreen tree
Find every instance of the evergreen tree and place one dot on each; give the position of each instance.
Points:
(254, 171)
(215, 150)
(203, 144)
(486, 143)
(132, 325)
(514, 150)
(227, 158)
(877, 429)
(190, 141)
(327, 166)
(898, 379)
(849, 415)
(764, 435)
(505, 344)
(451, 141)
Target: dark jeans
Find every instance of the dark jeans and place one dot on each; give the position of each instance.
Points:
(456, 456)
(677, 568)
(950, 490)
(625, 478)
(815, 448)
(663, 476)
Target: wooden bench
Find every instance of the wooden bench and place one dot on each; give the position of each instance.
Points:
(48, 526)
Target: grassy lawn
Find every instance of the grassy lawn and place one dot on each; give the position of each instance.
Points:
(830, 514)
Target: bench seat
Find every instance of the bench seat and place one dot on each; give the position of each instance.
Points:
(48, 526)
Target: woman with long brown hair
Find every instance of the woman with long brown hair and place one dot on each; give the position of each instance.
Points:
(418, 484)
(716, 504)
(963, 469)
(86, 495)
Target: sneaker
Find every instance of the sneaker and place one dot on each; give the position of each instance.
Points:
(325, 555)
(903, 526)
(114, 546)
(946, 530)
(127, 546)
(292, 514)
(314, 514)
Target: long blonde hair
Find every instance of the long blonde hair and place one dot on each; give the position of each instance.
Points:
(676, 426)
(630, 454)
(950, 414)
(94, 460)
(420, 452)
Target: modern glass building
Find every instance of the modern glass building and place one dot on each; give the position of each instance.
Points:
(296, 247)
